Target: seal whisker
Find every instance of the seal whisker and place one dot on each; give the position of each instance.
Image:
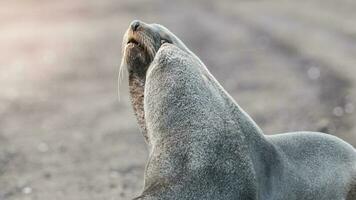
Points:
(120, 78)
(122, 68)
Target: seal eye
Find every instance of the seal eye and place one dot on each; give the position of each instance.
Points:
(166, 40)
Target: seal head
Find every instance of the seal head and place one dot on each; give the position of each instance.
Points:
(140, 45)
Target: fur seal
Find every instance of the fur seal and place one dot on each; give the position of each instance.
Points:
(203, 145)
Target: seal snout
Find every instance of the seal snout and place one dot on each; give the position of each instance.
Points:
(140, 44)
(135, 25)
(134, 34)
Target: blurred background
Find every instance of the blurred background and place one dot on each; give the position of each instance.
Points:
(63, 133)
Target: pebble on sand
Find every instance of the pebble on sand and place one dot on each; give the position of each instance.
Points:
(338, 111)
(313, 73)
(27, 190)
(349, 108)
(42, 147)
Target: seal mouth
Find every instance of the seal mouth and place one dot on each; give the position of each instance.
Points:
(134, 42)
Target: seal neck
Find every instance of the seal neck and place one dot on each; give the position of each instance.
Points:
(197, 130)
(137, 88)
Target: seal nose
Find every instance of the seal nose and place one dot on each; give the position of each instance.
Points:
(134, 25)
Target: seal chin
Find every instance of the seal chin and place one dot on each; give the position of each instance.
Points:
(139, 52)
(135, 55)
(136, 58)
